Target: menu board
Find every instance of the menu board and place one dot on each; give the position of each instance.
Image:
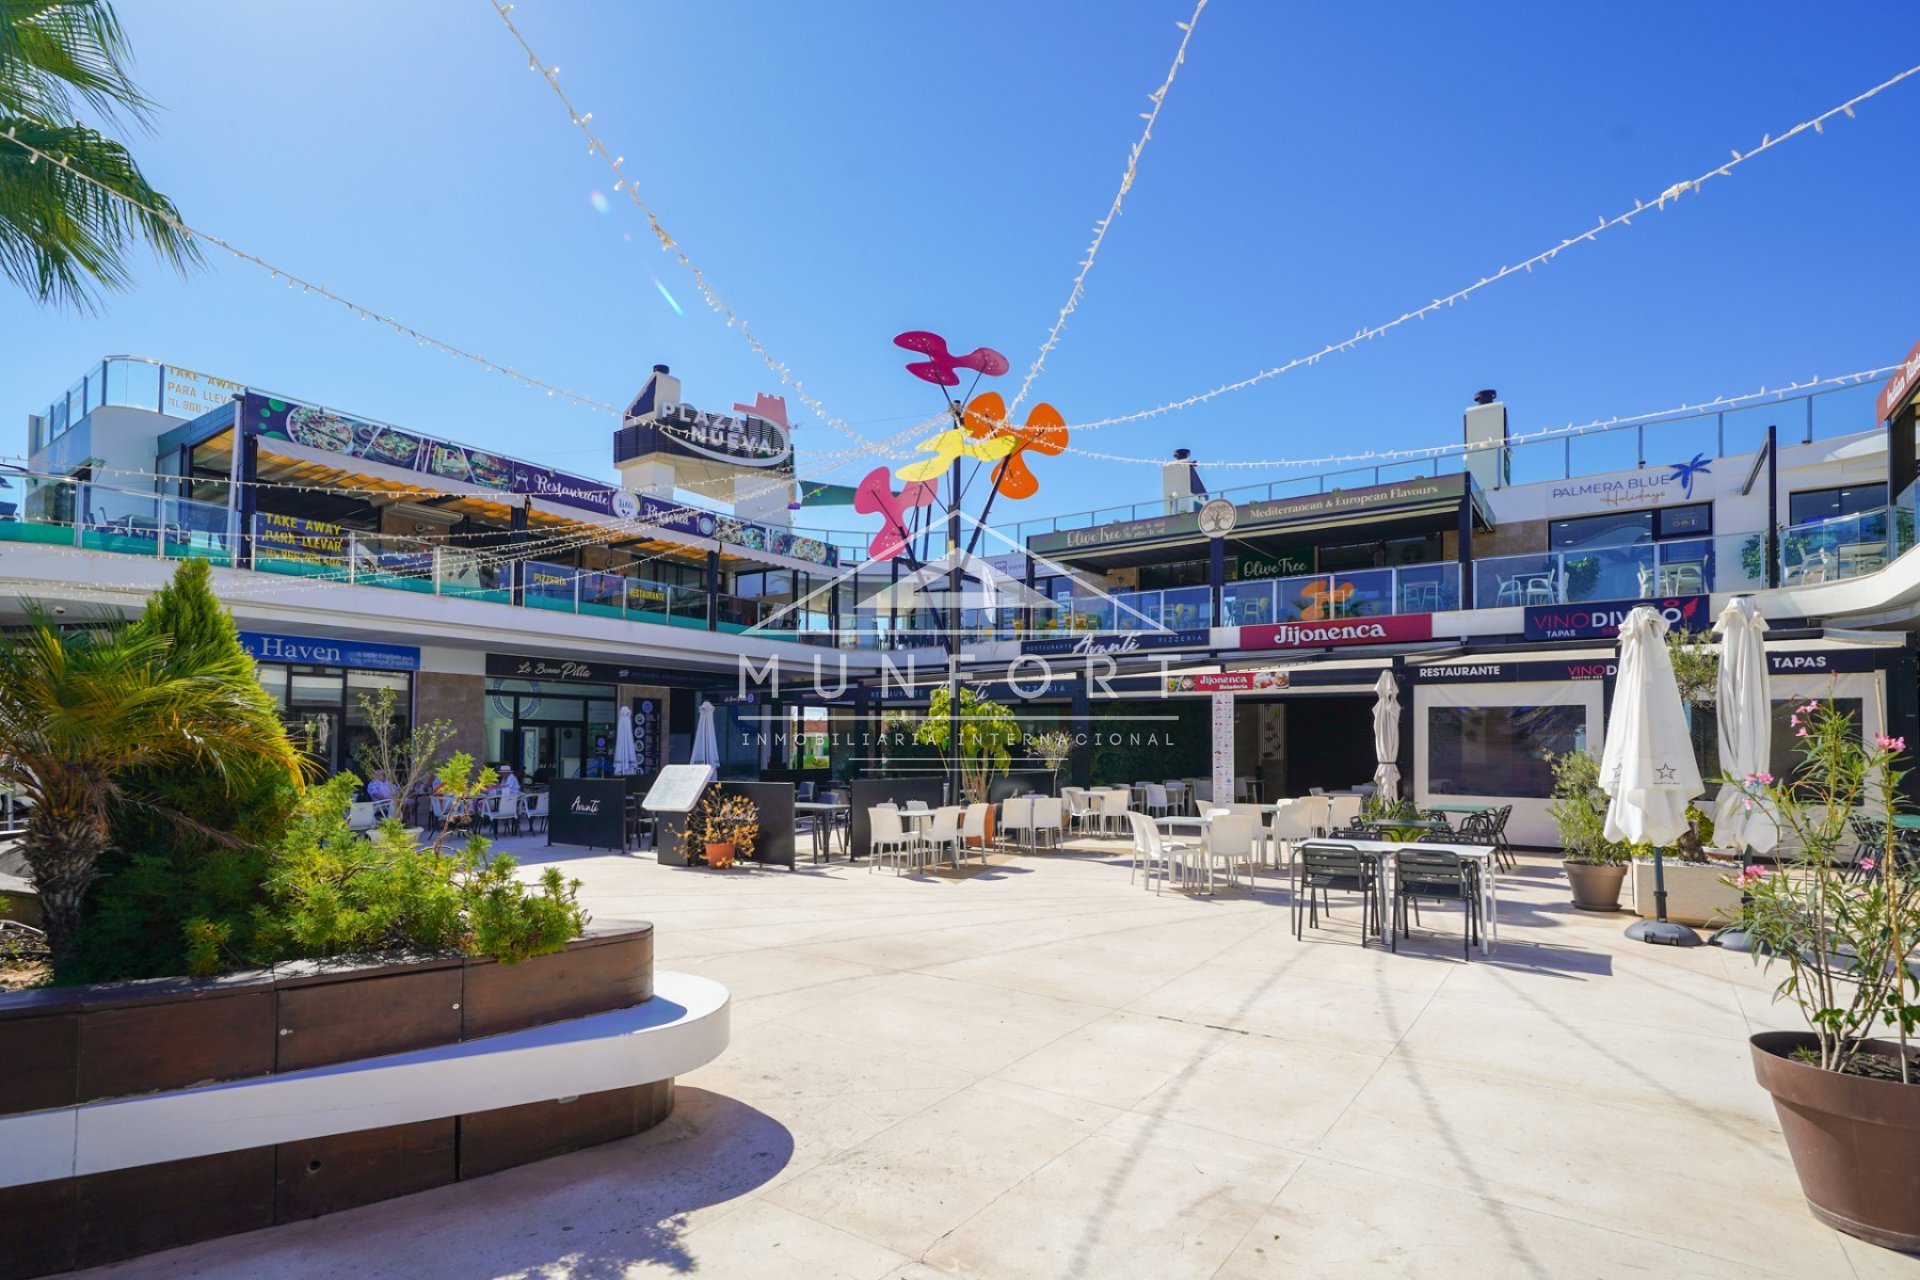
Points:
(678, 788)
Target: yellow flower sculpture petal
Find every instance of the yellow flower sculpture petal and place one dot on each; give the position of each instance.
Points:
(947, 446)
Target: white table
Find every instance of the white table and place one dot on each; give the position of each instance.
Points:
(1480, 854)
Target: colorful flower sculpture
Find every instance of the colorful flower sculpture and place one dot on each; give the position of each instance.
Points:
(1327, 600)
(1045, 432)
(947, 446)
(875, 496)
(938, 368)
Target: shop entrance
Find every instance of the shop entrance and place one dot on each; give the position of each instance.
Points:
(548, 730)
(1329, 743)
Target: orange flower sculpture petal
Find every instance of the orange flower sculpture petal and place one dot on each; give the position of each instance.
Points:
(1326, 600)
(1045, 432)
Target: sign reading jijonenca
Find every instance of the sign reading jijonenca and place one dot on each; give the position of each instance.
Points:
(1338, 631)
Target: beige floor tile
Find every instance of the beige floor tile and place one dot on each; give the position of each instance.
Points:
(1119, 1059)
(1331, 1220)
(1279, 1092)
(1707, 1179)
(766, 1242)
(921, 1178)
(1144, 1197)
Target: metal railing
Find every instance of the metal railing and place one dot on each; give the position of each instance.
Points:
(1817, 415)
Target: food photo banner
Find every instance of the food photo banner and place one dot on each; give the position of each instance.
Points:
(329, 432)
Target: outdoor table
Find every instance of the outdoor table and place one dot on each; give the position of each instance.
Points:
(1404, 824)
(1457, 808)
(1383, 851)
(1906, 821)
(826, 821)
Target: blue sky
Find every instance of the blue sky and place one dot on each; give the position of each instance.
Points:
(845, 171)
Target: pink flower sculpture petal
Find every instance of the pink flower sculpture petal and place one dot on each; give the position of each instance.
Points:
(940, 365)
(875, 496)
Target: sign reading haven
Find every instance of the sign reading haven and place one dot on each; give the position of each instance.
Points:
(364, 655)
(1601, 619)
(1338, 631)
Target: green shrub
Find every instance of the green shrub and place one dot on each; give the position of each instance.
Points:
(333, 891)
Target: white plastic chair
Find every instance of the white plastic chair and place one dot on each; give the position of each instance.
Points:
(1158, 804)
(1078, 808)
(944, 833)
(1016, 814)
(363, 816)
(1112, 810)
(974, 827)
(1230, 838)
(534, 808)
(1342, 812)
(889, 840)
(1152, 850)
(1049, 820)
(1292, 822)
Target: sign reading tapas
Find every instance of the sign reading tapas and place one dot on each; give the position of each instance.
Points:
(1338, 631)
(1228, 682)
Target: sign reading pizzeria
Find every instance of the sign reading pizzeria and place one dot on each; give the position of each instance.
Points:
(1394, 629)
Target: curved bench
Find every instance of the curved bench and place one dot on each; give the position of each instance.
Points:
(685, 1025)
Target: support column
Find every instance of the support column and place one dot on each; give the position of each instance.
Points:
(1080, 725)
(247, 496)
(1222, 746)
(713, 591)
(1217, 577)
(1466, 548)
(517, 539)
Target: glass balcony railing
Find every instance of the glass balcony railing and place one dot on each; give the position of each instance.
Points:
(93, 517)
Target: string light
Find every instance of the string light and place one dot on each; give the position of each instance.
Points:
(1666, 197)
(1158, 97)
(1718, 403)
(365, 313)
(582, 121)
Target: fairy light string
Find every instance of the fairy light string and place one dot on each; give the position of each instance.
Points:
(1158, 97)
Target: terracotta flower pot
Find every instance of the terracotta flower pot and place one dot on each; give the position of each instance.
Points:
(1855, 1141)
(720, 855)
(1595, 887)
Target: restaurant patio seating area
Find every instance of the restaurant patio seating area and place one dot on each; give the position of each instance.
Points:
(1027, 1066)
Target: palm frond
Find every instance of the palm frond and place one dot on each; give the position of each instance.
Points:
(58, 54)
(61, 235)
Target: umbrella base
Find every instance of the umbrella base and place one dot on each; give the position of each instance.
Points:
(1733, 938)
(1664, 932)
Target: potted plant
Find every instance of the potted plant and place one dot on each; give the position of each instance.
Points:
(1847, 933)
(1052, 749)
(1596, 866)
(728, 825)
(1582, 573)
(988, 733)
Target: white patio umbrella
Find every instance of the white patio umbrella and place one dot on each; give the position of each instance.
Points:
(1386, 737)
(706, 746)
(626, 760)
(1744, 700)
(1647, 769)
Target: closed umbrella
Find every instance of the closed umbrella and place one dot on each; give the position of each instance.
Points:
(1744, 701)
(706, 746)
(1386, 737)
(626, 760)
(1647, 769)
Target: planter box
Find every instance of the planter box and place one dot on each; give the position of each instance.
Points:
(70, 1046)
(1695, 894)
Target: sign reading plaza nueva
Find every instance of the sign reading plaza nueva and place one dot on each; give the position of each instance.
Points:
(1602, 618)
(1392, 629)
(1381, 498)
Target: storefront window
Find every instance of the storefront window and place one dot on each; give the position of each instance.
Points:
(548, 730)
(322, 711)
(1829, 504)
(1500, 751)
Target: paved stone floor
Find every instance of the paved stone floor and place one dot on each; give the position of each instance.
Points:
(1038, 1070)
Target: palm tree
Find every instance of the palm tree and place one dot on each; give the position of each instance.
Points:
(61, 235)
(84, 709)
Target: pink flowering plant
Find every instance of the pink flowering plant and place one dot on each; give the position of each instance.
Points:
(1847, 930)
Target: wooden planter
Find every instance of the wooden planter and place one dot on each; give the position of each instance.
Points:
(68, 1047)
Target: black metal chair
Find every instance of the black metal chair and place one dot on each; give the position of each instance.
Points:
(1483, 828)
(1502, 851)
(1327, 867)
(1441, 877)
(1869, 840)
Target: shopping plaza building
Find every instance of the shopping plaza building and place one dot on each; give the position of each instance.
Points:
(525, 605)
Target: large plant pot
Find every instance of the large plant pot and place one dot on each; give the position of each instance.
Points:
(1696, 893)
(720, 854)
(1855, 1142)
(1596, 887)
